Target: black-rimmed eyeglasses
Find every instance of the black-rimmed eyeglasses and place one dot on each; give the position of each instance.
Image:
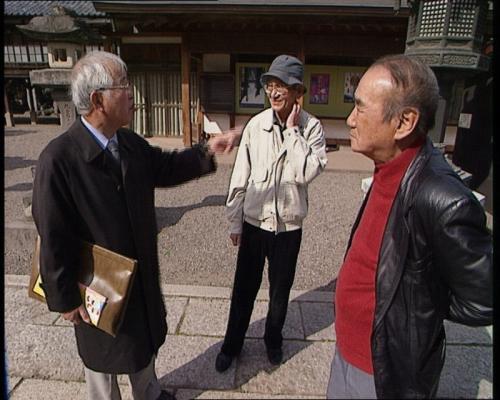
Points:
(280, 89)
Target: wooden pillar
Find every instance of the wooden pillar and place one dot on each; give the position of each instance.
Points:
(31, 106)
(232, 114)
(185, 92)
(35, 101)
(302, 57)
(199, 116)
(9, 118)
(107, 45)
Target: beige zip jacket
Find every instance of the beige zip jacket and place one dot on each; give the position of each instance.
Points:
(268, 186)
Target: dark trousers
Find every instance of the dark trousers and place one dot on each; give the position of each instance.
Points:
(281, 251)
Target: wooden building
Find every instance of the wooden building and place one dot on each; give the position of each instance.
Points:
(195, 65)
(23, 54)
(199, 61)
(213, 52)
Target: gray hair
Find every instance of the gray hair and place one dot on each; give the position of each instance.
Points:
(414, 85)
(95, 70)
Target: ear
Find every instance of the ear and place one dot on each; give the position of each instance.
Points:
(96, 100)
(407, 123)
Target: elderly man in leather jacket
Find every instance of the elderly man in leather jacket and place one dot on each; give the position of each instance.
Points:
(419, 250)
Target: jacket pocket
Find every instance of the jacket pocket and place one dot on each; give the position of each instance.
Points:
(258, 195)
(259, 175)
(292, 202)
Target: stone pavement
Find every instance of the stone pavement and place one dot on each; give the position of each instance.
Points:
(43, 361)
(40, 347)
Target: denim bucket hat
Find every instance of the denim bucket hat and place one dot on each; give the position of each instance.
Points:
(287, 69)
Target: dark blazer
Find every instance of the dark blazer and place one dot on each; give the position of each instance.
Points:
(79, 193)
(435, 263)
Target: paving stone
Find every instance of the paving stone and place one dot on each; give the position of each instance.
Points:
(60, 321)
(293, 323)
(12, 382)
(467, 373)
(38, 351)
(11, 280)
(318, 321)
(20, 307)
(36, 389)
(316, 296)
(196, 291)
(189, 362)
(305, 371)
(207, 317)
(175, 310)
(461, 334)
(184, 394)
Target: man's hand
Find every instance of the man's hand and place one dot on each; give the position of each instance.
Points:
(225, 142)
(235, 238)
(293, 117)
(77, 315)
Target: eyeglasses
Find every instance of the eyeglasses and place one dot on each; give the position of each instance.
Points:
(280, 89)
(124, 86)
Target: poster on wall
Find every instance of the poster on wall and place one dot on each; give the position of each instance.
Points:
(351, 81)
(251, 91)
(319, 89)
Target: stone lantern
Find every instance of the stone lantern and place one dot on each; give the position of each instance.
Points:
(448, 35)
(65, 36)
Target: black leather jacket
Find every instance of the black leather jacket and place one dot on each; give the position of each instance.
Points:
(435, 263)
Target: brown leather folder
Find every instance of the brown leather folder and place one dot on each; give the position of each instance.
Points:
(110, 275)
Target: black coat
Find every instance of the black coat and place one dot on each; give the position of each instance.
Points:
(435, 263)
(79, 194)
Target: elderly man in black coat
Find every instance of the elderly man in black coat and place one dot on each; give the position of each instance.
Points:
(96, 182)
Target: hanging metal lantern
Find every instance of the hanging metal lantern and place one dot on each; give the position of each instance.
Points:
(448, 33)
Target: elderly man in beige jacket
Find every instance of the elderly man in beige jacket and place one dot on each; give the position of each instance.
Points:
(282, 150)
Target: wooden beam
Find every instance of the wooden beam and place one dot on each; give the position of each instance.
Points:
(185, 92)
(302, 57)
(31, 105)
(9, 118)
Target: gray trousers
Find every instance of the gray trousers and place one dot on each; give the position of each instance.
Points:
(144, 384)
(349, 382)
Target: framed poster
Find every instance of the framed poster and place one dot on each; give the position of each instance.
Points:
(319, 89)
(251, 93)
(351, 81)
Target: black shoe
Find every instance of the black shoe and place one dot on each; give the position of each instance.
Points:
(164, 395)
(275, 356)
(223, 362)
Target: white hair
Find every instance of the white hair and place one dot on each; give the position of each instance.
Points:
(95, 70)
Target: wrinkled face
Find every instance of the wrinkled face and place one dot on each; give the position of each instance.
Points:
(369, 133)
(281, 96)
(118, 101)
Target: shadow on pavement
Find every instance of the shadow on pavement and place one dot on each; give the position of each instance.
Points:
(18, 132)
(169, 216)
(468, 367)
(200, 374)
(19, 187)
(11, 163)
(467, 372)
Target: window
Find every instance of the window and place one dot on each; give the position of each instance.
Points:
(8, 51)
(24, 54)
(32, 53)
(60, 55)
(35, 53)
(92, 47)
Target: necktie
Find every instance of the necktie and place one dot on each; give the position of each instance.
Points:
(113, 148)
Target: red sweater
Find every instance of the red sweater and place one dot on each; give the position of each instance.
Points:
(355, 290)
